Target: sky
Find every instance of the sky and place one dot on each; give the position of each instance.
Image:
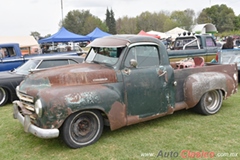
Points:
(21, 17)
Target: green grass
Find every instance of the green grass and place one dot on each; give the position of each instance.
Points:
(184, 130)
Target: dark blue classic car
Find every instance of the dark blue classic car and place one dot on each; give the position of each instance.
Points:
(10, 79)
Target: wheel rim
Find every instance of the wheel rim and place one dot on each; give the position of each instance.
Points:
(2, 95)
(212, 100)
(84, 128)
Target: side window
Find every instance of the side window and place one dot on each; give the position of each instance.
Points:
(2, 53)
(8, 52)
(145, 56)
(11, 52)
(210, 42)
(188, 42)
(52, 63)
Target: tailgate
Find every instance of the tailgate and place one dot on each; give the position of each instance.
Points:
(229, 56)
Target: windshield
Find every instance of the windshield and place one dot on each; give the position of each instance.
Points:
(104, 55)
(26, 67)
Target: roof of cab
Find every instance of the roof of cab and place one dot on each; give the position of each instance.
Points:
(121, 40)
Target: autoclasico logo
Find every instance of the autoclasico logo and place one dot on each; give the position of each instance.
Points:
(186, 154)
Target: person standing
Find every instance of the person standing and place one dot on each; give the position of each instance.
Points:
(44, 49)
(228, 44)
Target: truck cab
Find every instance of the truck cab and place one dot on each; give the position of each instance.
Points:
(10, 56)
(190, 45)
(143, 70)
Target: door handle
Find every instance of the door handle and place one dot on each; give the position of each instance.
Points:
(161, 73)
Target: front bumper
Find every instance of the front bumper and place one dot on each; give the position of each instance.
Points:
(29, 127)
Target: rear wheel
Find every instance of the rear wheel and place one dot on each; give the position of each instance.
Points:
(82, 128)
(3, 96)
(210, 103)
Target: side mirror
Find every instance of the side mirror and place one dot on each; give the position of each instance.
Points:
(133, 63)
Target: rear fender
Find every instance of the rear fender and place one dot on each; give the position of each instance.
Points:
(198, 84)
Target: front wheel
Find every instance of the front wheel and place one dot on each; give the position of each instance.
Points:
(210, 103)
(3, 96)
(82, 128)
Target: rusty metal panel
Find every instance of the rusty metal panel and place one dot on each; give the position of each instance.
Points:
(136, 119)
(81, 74)
(182, 74)
(198, 84)
(117, 116)
(71, 99)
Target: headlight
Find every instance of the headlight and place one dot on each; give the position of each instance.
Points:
(17, 91)
(38, 107)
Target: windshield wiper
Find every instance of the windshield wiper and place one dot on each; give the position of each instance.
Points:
(106, 64)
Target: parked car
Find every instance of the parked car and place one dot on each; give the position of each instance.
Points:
(10, 79)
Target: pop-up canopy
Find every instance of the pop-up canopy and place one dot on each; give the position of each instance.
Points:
(64, 35)
(97, 33)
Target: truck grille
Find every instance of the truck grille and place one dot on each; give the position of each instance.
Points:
(28, 103)
(24, 97)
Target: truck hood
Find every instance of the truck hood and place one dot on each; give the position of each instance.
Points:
(79, 74)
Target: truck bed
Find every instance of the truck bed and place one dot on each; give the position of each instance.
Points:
(182, 73)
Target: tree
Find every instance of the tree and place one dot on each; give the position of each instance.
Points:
(110, 22)
(169, 24)
(82, 22)
(144, 21)
(237, 23)
(36, 35)
(126, 25)
(184, 18)
(108, 19)
(219, 15)
(152, 21)
(112, 28)
(162, 18)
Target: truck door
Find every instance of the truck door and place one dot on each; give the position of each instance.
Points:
(145, 86)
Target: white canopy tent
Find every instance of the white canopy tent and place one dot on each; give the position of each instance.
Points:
(175, 32)
(161, 34)
(23, 41)
(28, 44)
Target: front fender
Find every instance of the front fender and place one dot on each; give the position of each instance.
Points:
(60, 102)
(197, 84)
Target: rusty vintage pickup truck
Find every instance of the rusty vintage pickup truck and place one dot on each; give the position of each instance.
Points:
(124, 80)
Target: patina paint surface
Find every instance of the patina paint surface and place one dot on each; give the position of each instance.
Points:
(80, 74)
(192, 88)
(117, 115)
(71, 99)
(198, 84)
